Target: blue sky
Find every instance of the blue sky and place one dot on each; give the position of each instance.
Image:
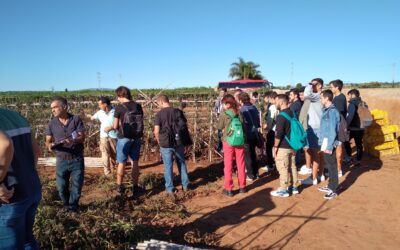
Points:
(185, 43)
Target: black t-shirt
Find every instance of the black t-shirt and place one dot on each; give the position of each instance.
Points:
(341, 104)
(296, 107)
(283, 128)
(122, 108)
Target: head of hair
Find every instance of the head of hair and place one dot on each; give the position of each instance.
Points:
(163, 98)
(327, 93)
(255, 94)
(301, 90)
(61, 100)
(105, 99)
(354, 92)
(272, 94)
(229, 99)
(124, 92)
(284, 98)
(319, 80)
(295, 92)
(337, 83)
(244, 97)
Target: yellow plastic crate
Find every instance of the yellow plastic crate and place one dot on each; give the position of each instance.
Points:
(379, 154)
(378, 139)
(384, 146)
(382, 130)
(378, 114)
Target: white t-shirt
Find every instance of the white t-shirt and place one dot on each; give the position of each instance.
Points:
(106, 120)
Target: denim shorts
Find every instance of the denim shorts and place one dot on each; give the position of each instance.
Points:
(312, 138)
(128, 147)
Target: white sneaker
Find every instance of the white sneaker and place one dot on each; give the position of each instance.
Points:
(305, 170)
(265, 168)
(340, 173)
(310, 181)
(322, 178)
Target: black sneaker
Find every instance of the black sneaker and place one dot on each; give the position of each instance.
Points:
(121, 189)
(227, 192)
(330, 195)
(137, 190)
(242, 190)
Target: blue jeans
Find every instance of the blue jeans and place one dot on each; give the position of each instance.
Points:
(167, 156)
(128, 147)
(16, 223)
(70, 169)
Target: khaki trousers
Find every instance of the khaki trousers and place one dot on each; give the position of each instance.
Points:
(285, 163)
(108, 148)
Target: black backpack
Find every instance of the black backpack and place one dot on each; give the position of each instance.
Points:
(178, 133)
(132, 124)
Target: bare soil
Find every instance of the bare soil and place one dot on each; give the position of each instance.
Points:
(365, 215)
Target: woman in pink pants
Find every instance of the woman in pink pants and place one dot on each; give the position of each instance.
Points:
(230, 112)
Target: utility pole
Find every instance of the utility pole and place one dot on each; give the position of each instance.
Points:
(99, 78)
(393, 74)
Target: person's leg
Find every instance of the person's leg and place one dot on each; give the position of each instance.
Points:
(62, 180)
(248, 162)
(269, 146)
(180, 162)
(358, 138)
(134, 153)
(314, 162)
(253, 156)
(307, 156)
(30, 241)
(240, 163)
(282, 164)
(347, 144)
(330, 161)
(105, 158)
(12, 225)
(167, 156)
(122, 157)
(293, 170)
(113, 152)
(339, 156)
(77, 175)
(228, 158)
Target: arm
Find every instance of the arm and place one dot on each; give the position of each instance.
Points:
(334, 120)
(49, 142)
(350, 113)
(221, 121)
(6, 156)
(157, 133)
(309, 94)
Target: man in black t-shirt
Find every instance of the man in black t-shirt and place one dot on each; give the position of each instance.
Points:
(340, 102)
(295, 103)
(283, 152)
(167, 139)
(127, 147)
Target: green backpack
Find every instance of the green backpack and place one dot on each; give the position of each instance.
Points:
(298, 137)
(235, 133)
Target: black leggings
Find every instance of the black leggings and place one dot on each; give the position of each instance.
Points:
(358, 138)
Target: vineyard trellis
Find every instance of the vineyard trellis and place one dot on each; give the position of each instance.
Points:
(198, 109)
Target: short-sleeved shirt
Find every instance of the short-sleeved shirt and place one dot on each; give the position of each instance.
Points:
(283, 128)
(122, 108)
(21, 173)
(340, 103)
(60, 132)
(106, 120)
(164, 118)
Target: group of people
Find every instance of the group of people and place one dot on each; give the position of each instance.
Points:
(319, 113)
(308, 125)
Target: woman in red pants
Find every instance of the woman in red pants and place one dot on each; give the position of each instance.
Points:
(230, 122)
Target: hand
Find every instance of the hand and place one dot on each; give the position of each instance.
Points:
(275, 151)
(328, 152)
(5, 193)
(68, 142)
(108, 129)
(50, 148)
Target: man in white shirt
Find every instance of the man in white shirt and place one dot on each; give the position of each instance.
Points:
(108, 136)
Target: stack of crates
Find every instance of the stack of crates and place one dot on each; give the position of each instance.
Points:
(380, 138)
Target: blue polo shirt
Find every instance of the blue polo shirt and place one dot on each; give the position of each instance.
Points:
(61, 132)
(21, 174)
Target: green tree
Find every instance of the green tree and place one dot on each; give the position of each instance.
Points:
(245, 70)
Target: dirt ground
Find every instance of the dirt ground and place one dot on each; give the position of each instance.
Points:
(365, 215)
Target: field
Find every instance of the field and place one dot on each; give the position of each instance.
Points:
(364, 216)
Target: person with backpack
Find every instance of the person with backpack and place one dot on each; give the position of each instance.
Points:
(251, 122)
(284, 144)
(328, 139)
(171, 133)
(128, 120)
(230, 122)
(340, 102)
(356, 123)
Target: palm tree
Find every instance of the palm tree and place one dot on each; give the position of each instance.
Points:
(245, 70)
